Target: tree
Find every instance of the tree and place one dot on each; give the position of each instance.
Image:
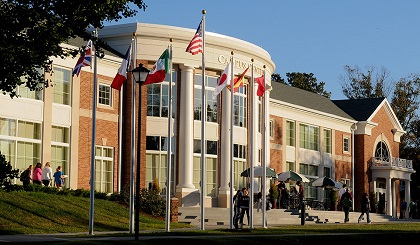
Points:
(7, 173)
(303, 81)
(357, 85)
(32, 33)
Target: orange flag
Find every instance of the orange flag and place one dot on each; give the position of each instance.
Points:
(239, 81)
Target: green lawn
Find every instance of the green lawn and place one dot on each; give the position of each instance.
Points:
(37, 213)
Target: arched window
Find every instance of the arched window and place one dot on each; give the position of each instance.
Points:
(382, 152)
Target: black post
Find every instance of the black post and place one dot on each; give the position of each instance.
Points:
(137, 206)
(302, 213)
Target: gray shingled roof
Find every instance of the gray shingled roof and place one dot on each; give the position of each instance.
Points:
(359, 109)
(300, 97)
(79, 42)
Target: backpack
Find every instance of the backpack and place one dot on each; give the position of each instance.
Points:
(347, 202)
(24, 175)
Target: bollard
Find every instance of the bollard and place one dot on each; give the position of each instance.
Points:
(302, 213)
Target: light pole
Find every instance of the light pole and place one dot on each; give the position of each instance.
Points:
(139, 75)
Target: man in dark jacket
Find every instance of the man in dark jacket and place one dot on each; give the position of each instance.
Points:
(365, 207)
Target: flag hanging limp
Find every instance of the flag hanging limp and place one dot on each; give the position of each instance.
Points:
(223, 80)
(85, 59)
(121, 76)
(261, 85)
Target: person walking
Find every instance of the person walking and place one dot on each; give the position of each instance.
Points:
(403, 209)
(236, 208)
(36, 175)
(26, 176)
(340, 193)
(365, 208)
(47, 174)
(346, 203)
(412, 209)
(244, 201)
(58, 178)
(301, 193)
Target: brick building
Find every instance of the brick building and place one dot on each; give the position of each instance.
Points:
(305, 132)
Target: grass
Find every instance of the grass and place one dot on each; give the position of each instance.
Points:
(41, 213)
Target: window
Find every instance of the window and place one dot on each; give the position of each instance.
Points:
(61, 86)
(105, 95)
(346, 144)
(157, 161)
(212, 105)
(382, 152)
(271, 128)
(20, 142)
(309, 137)
(211, 164)
(25, 92)
(327, 141)
(240, 107)
(158, 97)
(290, 133)
(327, 172)
(104, 162)
(60, 147)
(290, 166)
(239, 165)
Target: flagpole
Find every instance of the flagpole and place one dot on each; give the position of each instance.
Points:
(168, 180)
(133, 144)
(251, 84)
(92, 153)
(231, 148)
(264, 158)
(203, 122)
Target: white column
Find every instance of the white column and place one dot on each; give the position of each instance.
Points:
(225, 142)
(389, 199)
(186, 137)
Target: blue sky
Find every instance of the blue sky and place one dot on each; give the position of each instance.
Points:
(318, 37)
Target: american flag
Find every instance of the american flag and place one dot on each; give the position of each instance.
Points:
(196, 44)
(84, 60)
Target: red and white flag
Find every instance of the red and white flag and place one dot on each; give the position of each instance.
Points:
(196, 44)
(121, 76)
(223, 80)
(261, 85)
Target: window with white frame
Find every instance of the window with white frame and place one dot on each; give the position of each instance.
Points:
(158, 97)
(211, 165)
(327, 172)
(25, 92)
(104, 162)
(157, 161)
(308, 137)
(61, 86)
(211, 104)
(240, 107)
(239, 165)
(60, 147)
(271, 128)
(20, 142)
(290, 166)
(290, 133)
(327, 141)
(346, 144)
(105, 95)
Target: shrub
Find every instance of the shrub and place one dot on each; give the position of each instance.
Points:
(7, 173)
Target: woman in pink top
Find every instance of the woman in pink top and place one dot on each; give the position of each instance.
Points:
(36, 175)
